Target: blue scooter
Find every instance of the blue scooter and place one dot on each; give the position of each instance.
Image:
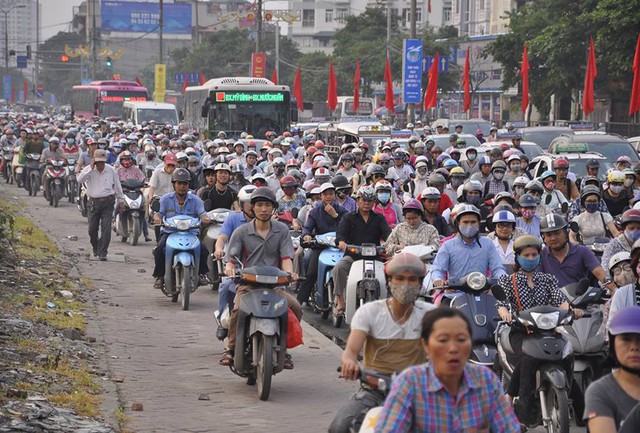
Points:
(182, 258)
(322, 295)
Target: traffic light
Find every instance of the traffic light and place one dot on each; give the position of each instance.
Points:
(64, 58)
(28, 52)
(109, 62)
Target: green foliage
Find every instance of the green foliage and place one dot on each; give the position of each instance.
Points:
(7, 223)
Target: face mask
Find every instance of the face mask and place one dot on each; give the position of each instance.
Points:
(515, 167)
(384, 197)
(279, 171)
(71, 140)
(472, 156)
(519, 190)
(346, 164)
(591, 207)
(430, 146)
(550, 185)
(616, 189)
(193, 169)
(455, 183)
(629, 182)
(473, 199)
(623, 278)
(404, 293)
(419, 151)
(469, 231)
(528, 265)
(421, 174)
(528, 213)
(632, 235)
(498, 175)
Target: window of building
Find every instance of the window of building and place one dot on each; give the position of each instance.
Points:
(308, 17)
(342, 14)
(481, 4)
(446, 15)
(328, 15)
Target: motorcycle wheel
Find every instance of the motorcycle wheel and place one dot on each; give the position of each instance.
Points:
(185, 290)
(55, 195)
(264, 371)
(35, 185)
(72, 193)
(135, 231)
(177, 276)
(558, 410)
(326, 309)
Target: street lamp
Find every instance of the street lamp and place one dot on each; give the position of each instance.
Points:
(6, 32)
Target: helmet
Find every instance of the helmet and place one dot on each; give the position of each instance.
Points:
(412, 205)
(443, 157)
(279, 161)
(222, 166)
(264, 193)
(430, 193)
(552, 223)
(292, 163)
(593, 163)
(520, 181)
(383, 185)
(347, 157)
(126, 155)
(622, 256)
(630, 216)
(322, 171)
(208, 169)
(473, 185)
(624, 158)
(561, 163)
(54, 140)
(534, 185)
(589, 190)
(504, 195)
(319, 144)
(288, 181)
(484, 160)
(374, 169)
(244, 195)
(615, 176)
(238, 168)
(366, 192)
(626, 321)
(223, 149)
(526, 241)
(513, 156)
(503, 216)
(435, 178)
(181, 175)
(527, 200)
(498, 165)
(339, 181)
(457, 171)
(466, 209)
(548, 174)
(405, 262)
(238, 143)
(182, 157)
(450, 163)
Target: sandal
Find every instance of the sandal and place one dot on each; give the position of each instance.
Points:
(204, 280)
(338, 312)
(288, 362)
(159, 283)
(227, 358)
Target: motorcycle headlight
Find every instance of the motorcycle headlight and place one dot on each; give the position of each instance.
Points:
(183, 225)
(134, 205)
(476, 281)
(369, 251)
(546, 321)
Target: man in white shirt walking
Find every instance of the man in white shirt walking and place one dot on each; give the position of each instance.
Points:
(103, 188)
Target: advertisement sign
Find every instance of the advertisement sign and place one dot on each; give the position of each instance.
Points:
(6, 87)
(412, 71)
(139, 17)
(252, 97)
(161, 82)
(258, 65)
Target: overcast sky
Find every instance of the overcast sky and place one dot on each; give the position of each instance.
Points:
(56, 16)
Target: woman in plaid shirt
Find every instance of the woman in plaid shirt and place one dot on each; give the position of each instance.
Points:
(447, 394)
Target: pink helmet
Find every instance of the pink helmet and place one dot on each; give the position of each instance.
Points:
(412, 205)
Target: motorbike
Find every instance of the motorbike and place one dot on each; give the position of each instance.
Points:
(597, 245)
(128, 223)
(550, 348)
(322, 294)
(366, 281)
(182, 258)
(32, 165)
(479, 306)
(261, 332)
(209, 238)
(71, 183)
(83, 200)
(55, 174)
(7, 159)
(17, 167)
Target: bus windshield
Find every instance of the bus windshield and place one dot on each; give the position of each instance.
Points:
(158, 115)
(256, 119)
(111, 101)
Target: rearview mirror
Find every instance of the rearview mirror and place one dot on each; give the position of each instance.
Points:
(208, 205)
(582, 287)
(498, 293)
(573, 225)
(294, 212)
(547, 199)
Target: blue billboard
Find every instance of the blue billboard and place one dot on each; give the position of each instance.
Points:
(139, 17)
(412, 71)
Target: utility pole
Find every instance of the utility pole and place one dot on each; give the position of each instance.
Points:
(160, 19)
(197, 35)
(259, 26)
(36, 60)
(277, 28)
(92, 36)
(389, 29)
(411, 108)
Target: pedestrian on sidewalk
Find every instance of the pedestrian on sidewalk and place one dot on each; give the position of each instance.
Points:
(103, 190)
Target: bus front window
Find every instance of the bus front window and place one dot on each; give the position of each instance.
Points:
(255, 119)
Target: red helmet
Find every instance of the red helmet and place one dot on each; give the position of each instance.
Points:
(630, 216)
(561, 163)
(292, 161)
(319, 144)
(288, 182)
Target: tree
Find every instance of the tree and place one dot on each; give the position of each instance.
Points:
(57, 76)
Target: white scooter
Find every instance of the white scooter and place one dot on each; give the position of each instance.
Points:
(211, 234)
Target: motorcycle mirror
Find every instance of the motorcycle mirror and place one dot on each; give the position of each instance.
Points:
(155, 205)
(498, 292)
(294, 212)
(564, 207)
(582, 287)
(573, 225)
(548, 199)
(208, 205)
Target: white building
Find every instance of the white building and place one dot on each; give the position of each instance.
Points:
(482, 17)
(18, 21)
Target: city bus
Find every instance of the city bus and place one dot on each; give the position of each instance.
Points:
(105, 98)
(345, 110)
(237, 104)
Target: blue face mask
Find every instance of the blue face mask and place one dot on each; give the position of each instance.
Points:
(528, 265)
(384, 197)
(632, 235)
(591, 207)
(473, 199)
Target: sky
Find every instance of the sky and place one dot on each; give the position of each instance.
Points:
(56, 15)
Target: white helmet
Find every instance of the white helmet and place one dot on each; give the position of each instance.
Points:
(520, 181)
(244, 195)
(623, 256)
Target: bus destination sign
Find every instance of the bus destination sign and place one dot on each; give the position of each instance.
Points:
(250, 97)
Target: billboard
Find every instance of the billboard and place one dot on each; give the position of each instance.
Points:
(140, 17)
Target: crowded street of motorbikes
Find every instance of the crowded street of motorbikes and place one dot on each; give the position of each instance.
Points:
(476, 291)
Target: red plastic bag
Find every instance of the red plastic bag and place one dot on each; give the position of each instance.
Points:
(294, 331)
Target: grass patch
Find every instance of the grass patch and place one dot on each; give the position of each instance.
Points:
(65, 315)
(34, 243)
(121, 417)
(83, 403)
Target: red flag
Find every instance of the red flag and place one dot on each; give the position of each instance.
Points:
(431, 94)
(429, 6)
(356, 87)
(297, 90)
(274, 77)
(202, 80)
(588, 100)
(139, 81)
(186, 83)
(332, 91)
(388, 94)
(465, 83)
(524, 73)
(26, 90)
(634, 105)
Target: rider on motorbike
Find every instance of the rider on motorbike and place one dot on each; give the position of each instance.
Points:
(413, 230)
(592, 222)
(389, 332)
(178, 202)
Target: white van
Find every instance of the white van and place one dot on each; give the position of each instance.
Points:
(145, 111)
